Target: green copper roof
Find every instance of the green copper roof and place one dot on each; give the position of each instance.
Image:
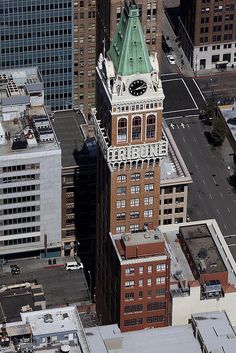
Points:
(128, 50)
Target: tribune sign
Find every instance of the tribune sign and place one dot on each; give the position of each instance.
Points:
(133, 152)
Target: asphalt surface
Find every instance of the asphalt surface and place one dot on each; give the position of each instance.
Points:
(183, 96)
(60, 287)
(210, 195)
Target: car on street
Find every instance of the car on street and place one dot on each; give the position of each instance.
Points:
(231, 121)
(73, 265)
(171, 59)
(15, 270)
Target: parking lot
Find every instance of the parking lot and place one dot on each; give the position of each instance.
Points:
(61, 287)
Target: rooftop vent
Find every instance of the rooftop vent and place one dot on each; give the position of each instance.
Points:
(48, 318)
(202, 254)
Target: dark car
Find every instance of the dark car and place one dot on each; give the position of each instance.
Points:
(231, 121)
(15, 270)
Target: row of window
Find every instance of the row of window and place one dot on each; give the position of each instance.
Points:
(40, 7)
(7, 222)
(16, 168)
(218, 8)
(23, 188)
(19, 230)
(19, 199)
(19, 210)
(40, 47)
(216, 38)
(32, 34)
(20, 178)
(158, 268)
(159, 280)
(134, 214)
(136, 128)
(19, 241)
(139, 307)
(134, 176)
(135, 189)
(158, 293)
(139, 321)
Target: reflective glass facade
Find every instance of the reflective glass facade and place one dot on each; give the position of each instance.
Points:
(40, 33)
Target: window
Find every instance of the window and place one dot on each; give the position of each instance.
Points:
(140, 295)
(129, 271)
(167, 201)
(120, 229)
(133, 308)
(140, 282)
(148, 200)
(120, 204)
(179, 199)
(149, 281)
(129, 296)
(135, 176)
(168, 190)
(180, 188)
(120, 216)
(160, 280)
(134, 227)
(215, 58)
(151, 123)
(135, 189)
(148, 187)
(140, 270)
(161, 267)
(150, 269)
(133, 322)
(121, 191)
(179, 220)
(134, 214)
(160, 292)
(121, 178)
(148, 213)
(136, 128)
(149, 175)
(179, 210)
(151, 319)
(129, 284)
(134, 202)
(122, 130)
(168, 211)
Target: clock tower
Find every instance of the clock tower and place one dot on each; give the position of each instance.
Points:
(131, 144)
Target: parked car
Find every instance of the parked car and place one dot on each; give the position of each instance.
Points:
(73, 265)
(171, 59)
(231, 121)
(15, 270)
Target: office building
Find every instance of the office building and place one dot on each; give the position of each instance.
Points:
(207, 33)
(109, 13)
(140, 180)
(30, 168)
(41, 33)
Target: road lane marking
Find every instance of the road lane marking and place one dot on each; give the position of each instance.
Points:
(196, 166)
(228, 209)
(221, 195)
(184, 139)
(169, 74)
(181, 110)
(188, 126)
(224, 226)
(203, 181)
(199, 90)
(199, 196)
(190, 94)
(210, 195)
(194, 139)
(218, 211)
(190, 153)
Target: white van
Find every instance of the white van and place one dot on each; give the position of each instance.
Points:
(73, 265)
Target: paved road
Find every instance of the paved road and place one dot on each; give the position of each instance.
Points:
(210, 195)
(183, 96)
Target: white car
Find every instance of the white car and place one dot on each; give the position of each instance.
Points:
(73, 265)
(171, 59)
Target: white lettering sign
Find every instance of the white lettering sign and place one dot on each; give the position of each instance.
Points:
(119, 154)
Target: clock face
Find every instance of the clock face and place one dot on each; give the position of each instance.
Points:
(137, 87)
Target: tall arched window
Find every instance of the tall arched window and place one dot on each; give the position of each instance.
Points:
(122, 130)
(136, 128)
(151, 126)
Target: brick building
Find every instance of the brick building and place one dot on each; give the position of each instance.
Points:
(207, 33)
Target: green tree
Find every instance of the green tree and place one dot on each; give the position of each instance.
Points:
(219, 129)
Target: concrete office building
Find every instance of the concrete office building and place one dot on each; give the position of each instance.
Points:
(109, 13)
(207, 32)
(41, 33)
(30, 167)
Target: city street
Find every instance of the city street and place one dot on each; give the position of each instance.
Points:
(183, 96)
(210, 195)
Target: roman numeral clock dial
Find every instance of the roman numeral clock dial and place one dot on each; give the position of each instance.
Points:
(137, 87)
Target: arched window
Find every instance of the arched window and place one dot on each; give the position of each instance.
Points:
(151, 126)
(122, 130)
(136, 128)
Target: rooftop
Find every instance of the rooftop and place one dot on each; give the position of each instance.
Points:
(229, 114)
(73, 134)
(202, 248)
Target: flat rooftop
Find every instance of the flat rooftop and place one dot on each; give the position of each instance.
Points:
(103, 339)
(173, 168)
(202, 247)
(140, 238)
(69, 126)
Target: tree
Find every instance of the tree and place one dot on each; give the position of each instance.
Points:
(219, 129)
